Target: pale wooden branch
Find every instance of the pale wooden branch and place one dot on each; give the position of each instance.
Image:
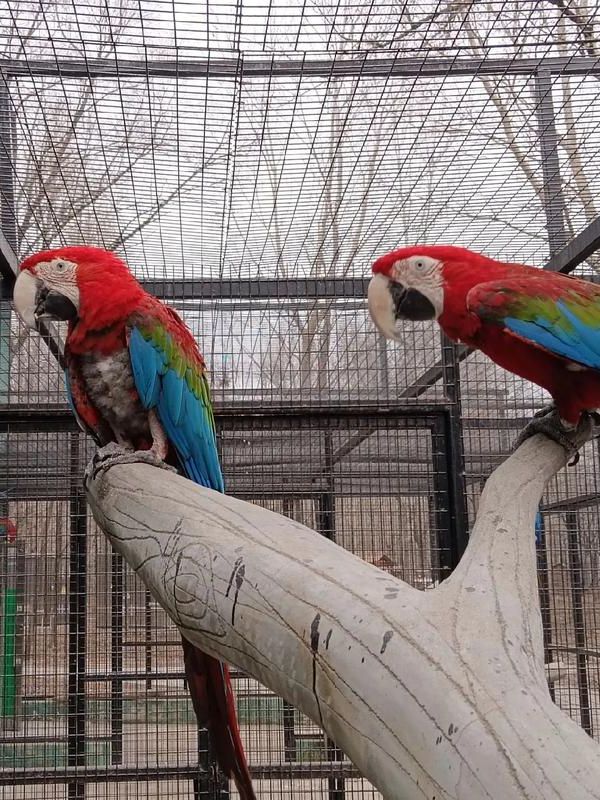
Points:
(438, 695)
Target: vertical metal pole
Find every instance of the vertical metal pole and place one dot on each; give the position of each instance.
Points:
(443, 559)
(555, 211)
(459, 519)
(554, 201)
(8, 628)
(116, 658)
(8, 591)
(290, 743)
(210, 784)
(8, 215)
(148, 636)
(576, 575)
(325, 519)
(541, 550)
(77, 619)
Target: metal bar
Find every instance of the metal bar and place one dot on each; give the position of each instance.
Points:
(238, 416)
(541, 549)
(8, 219)
(554, 201)
(248, 415)
(8, 269)
(209, 782)
(49, 417)
(54, 739)
(289, 732)
(309, 770)
(576, 574)
(8, 627)
(215, 288)
(290, 743)
(8, 266)
(366, 65)
(559, 648)
(325, 524)
(577, 250)
(454, 448)
(116, 658)
(572, 504)
(101, 677)
(77, 621)
(148, 637)
(443, 558)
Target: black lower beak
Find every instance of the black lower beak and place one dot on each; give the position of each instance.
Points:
(55, 305)
(411, 304)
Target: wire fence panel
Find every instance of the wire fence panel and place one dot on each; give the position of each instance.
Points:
(249, 161)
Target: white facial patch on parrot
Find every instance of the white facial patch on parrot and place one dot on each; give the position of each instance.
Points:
(60, 276)
(57, 275)
(424, 274)
(381, 307)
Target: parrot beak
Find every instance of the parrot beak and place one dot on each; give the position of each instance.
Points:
(35, 301)
(390, 302)
(381, 307)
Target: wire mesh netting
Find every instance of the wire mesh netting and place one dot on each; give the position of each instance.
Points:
(249, 160)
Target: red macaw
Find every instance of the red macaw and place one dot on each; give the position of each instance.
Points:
(543, 326)
(135, 377)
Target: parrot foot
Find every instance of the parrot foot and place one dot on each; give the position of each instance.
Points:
(549, 422)
(113, 454)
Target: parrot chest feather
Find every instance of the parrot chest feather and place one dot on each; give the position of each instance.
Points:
(109, 382)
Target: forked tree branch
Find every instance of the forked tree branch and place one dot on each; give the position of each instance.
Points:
(439, 695)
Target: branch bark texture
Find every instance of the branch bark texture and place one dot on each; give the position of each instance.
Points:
(439, 695)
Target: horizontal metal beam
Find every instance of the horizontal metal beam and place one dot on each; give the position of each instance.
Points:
(242, 415)
(577, 250)
(257, 288)
(367, 65)
(571, 504)
(114, 774)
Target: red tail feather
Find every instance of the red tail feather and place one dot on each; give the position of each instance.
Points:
(214, 704)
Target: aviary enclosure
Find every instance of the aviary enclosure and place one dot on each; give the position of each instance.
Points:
(249, 160)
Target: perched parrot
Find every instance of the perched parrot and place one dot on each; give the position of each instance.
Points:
(135, 377)
(543, 326)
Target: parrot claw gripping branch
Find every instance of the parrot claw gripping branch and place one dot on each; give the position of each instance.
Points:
(136, 382)
(112, 454)
(542, 326)
(548, 422)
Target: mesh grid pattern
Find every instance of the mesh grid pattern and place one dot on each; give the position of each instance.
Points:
(249, 160)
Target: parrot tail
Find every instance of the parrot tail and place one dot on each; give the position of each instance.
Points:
(214, 703)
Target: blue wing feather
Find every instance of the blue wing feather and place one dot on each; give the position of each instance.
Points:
(186, 419)
(575, 345)
(565, 323)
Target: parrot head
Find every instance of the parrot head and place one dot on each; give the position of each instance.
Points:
(413, 283)
(73, 283)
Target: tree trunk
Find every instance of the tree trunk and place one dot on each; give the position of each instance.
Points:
(433, 695)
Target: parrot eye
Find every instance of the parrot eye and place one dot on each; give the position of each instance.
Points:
(420, 264)
(60, 266)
